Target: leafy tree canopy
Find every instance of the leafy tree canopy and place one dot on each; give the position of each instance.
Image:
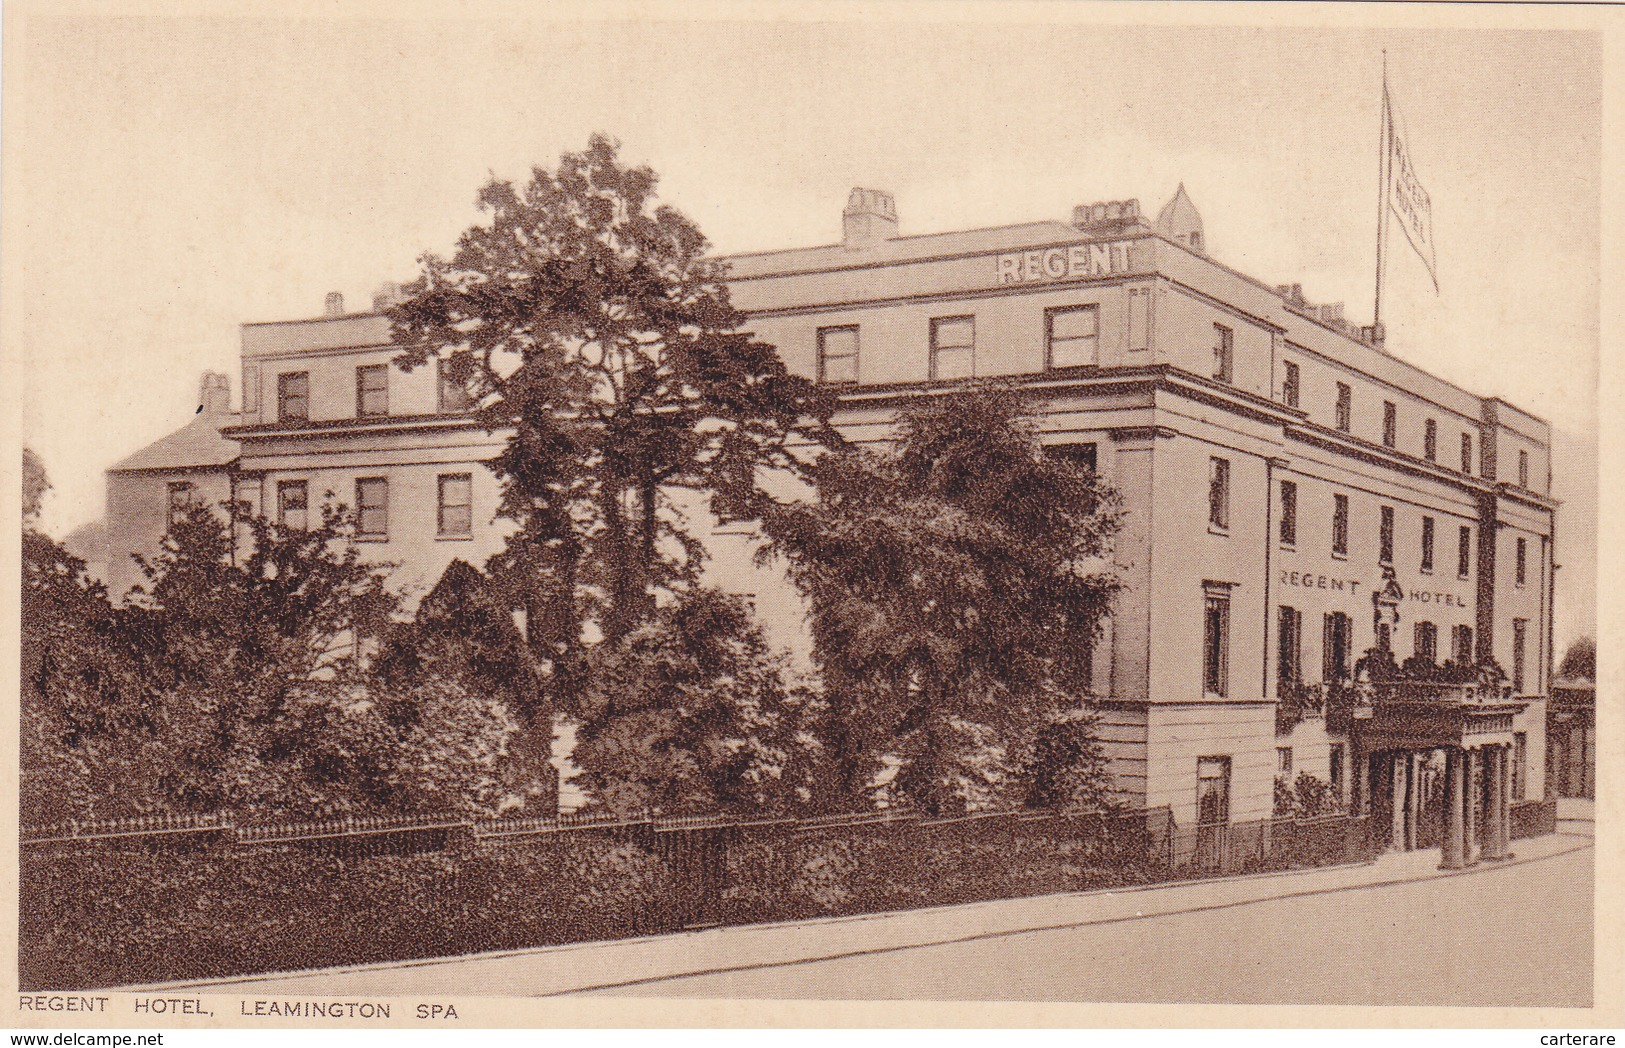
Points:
(957, 581)
(1580, 660)
(587, 319)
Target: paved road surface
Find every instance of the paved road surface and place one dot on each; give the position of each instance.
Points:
(1519, 935)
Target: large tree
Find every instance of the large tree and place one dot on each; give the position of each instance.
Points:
(1580, 660)
(957, 580)
(588, 322)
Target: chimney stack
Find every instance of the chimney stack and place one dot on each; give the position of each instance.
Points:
(870, 217)
(388, 294)
(214, 393)
(334, 306)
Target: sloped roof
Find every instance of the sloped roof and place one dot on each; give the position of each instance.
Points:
(901, 249)
(196, 444)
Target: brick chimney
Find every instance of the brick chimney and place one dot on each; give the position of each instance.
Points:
(334, 306)
(870, 217)
(214, 393)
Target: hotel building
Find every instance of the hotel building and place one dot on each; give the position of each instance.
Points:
(1295, 494)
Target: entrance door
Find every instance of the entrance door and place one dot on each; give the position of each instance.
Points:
(1212, 813)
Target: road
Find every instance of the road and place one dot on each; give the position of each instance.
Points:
(1519, 935)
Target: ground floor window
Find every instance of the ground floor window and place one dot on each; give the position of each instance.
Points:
(1334, 767)
(1337, 639)
(1520, 765)
(292, 504)
(1283, 761)
(1212, 790)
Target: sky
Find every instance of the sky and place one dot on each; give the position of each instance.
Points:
(168, 179)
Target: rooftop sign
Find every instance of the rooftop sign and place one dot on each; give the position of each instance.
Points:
(1061, 263)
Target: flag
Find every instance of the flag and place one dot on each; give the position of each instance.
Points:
(1407, 200)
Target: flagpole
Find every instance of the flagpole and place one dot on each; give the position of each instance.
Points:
(1382, 195)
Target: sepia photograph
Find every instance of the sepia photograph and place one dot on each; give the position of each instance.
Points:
(809, 515)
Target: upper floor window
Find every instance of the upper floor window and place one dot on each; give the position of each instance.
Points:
(1464, 552)
(1520, 639)
(1466, 452)
(1218, 493)
(1289, 645)
(453, 395)
(293, 504)
(953, 347)
(372, 390)
(1073, 337)
(293, 396)
(372, 507)
(1385, 536)
(1283, 761)
(1224, 353)
(1289, 513)
(1427, 543)
(1336, 646)
(1523, 469)
(1345, 407)
(1430, 441)
(1216, 641)
(1390, 424)
(838, 354)
(1084, 456)
(1290, 385)
(1521, 575)
(1427, 641)
(1461, 645)
(180, 501)
(1340, 525)
(455, 518)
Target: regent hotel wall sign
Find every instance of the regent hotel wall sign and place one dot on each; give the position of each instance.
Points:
(1061, 263)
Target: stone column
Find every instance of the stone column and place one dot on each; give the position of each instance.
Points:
(1469, 763)
(1453, 854)
(1413, 800)
(1396, 787)
(1494, 794)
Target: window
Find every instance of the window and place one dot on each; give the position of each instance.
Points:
(1073, 337)
(1212, 791)
(1385, 536)
(180, 501)
(1390, 424)
(372, 390)
(1385, 637)
(1427, 543)
(453, 395)
(293, 504)
(1520, 636)
(1289, 645)
(1139, 318)
(1521, 566)
(1523, 469)
(1337, 640)
(1283, 761)
(1224, 353)
(1466, 452)
(1520, 765)
(1290, 385)
(372, 507)
(293, 396)
(1218, 493)
(838, 355)
(1340, 525)
(455, 517)
(1289, 513)
(1334, 767)
(1430, 441)
(1216, 642)
(1464, 552)
(1426, 641)
(1461, 645)
(953, 347)
(1345, 407)
(1081, 455)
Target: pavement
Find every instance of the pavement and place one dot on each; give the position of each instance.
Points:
(661, 964)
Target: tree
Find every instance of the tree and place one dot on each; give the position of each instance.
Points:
(691, 713)
(588, 321)
(1580, 661)
(236, 679)
(957, 581)
(35, 485)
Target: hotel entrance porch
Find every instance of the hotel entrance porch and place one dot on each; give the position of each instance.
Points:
(1435, 768)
